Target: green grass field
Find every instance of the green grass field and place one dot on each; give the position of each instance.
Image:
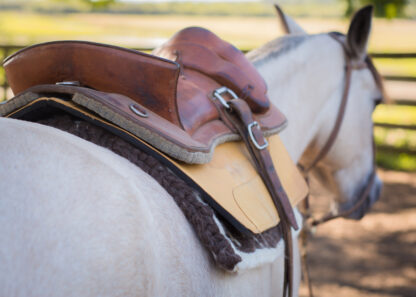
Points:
(23, 28)
(248, 32)
(131, 30)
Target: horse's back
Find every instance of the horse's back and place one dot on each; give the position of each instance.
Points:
(77, 219)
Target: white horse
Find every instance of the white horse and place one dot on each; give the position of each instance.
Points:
(78, 220)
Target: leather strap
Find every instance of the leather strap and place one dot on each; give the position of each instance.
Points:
(340, 116)
(241, 117)
(362, 198)
(350, 65)
(239, 114)
(309, 220)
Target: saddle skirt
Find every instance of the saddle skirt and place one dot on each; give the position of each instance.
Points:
(166, 106)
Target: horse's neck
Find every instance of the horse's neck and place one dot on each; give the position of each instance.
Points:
(305, 83)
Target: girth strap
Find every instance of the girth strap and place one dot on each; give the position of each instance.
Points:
(239, 114)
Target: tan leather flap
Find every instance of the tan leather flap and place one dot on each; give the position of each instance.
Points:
(232, 181)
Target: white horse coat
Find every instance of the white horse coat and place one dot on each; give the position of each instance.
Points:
(79, 220)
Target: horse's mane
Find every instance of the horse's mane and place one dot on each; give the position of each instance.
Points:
(275, 48)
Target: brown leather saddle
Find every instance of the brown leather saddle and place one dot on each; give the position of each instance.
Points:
(170, 98)
(195, 92)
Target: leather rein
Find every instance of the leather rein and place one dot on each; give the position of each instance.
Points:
(310, 222)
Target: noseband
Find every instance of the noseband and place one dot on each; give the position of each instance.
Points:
(350, 66)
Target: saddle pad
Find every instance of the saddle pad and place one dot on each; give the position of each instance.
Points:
(230, 249)
(229, 183)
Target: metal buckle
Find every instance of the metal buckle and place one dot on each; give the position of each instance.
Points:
(69, 83)
(253, 139)
(139, 111)
(218, 95)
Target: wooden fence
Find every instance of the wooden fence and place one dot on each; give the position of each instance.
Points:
(397, 101)
(6, 50)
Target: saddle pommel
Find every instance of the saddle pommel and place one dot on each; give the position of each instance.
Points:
(200, 50)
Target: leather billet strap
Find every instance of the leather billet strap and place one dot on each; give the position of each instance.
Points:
(239, 114)
(241, 117)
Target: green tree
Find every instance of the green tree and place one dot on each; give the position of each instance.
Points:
(99, 4)
(382, 8)
(350, 8)
(387, 8)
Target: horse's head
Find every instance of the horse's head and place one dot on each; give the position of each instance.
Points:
(341, 154)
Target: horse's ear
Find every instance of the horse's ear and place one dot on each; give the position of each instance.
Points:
(359, 32)
(288, 24)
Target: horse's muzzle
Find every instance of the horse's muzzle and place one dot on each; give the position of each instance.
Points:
(371, 198)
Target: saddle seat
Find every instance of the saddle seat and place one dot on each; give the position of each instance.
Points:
(165, 98)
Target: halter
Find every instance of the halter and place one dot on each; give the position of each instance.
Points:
(311, 222)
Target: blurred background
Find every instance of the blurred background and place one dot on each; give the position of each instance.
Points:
(376, 257)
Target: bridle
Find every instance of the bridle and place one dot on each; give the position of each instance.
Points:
(309, 221)
(350, 66)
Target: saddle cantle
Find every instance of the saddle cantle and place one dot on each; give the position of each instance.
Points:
(168, 100)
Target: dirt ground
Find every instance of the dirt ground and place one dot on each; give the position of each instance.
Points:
(372, 257)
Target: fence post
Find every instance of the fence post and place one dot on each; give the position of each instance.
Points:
(4, 86)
